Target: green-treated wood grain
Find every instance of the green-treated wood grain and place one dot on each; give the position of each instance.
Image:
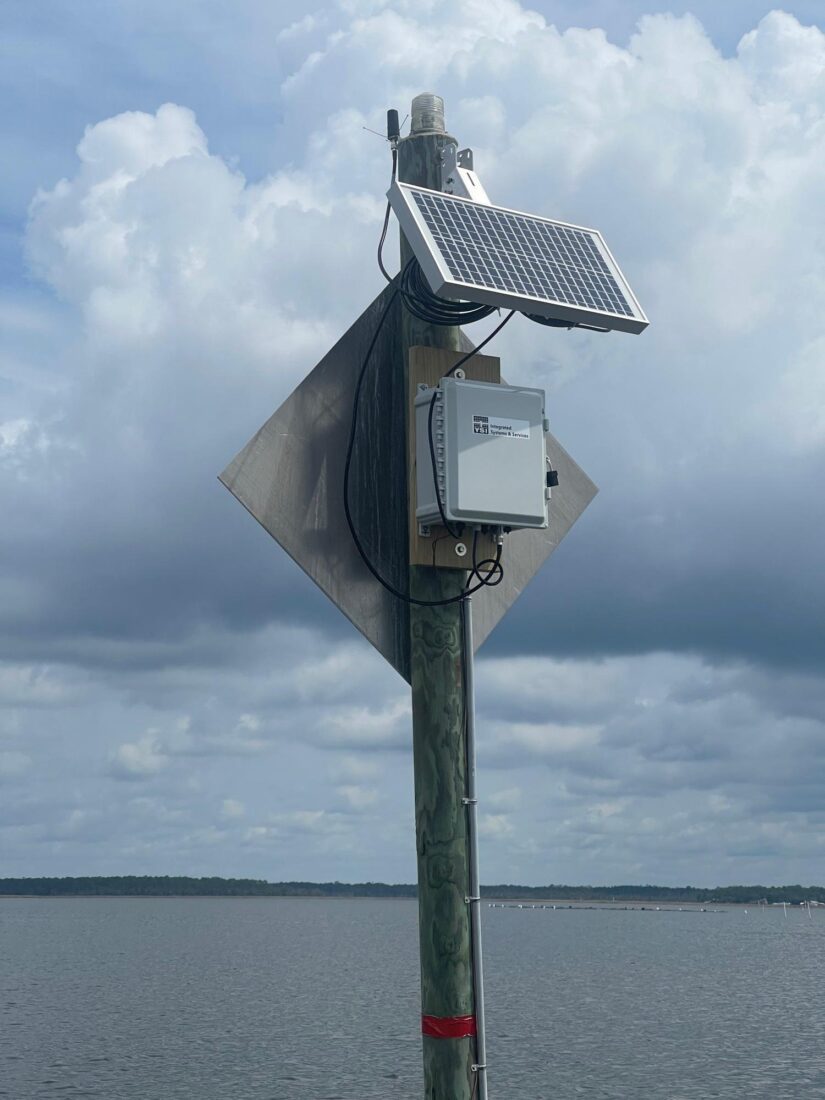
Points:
(438, 746)
(441, 837)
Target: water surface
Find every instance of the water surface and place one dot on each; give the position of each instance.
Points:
(299, 999)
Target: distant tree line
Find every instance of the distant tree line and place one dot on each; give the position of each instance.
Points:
(731, 894)
(167, 886)
(158, 886)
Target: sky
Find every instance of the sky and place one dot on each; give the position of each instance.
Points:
(189, 210)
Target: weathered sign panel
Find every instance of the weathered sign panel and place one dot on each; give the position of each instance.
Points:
(290, 478)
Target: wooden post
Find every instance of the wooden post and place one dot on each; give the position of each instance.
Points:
(439, 745)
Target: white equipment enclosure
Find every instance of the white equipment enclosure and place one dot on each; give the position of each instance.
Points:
(490, 455)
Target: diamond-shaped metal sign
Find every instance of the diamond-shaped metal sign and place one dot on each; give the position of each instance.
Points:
(290, 478)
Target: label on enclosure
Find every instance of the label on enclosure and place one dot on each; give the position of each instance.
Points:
(495, 425)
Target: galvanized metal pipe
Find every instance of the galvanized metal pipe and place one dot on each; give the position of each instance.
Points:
(472, 836)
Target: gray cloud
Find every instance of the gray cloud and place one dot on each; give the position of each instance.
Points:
(656, 700)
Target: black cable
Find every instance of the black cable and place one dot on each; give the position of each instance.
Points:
(383, 237)
(468, 590)
(444, 307)
(554, 322)
(494, 563)
(551, 322)
(478, 347)
(485, 582)
(431, 410)
(415, 291)
(429, 307)
(434, 310)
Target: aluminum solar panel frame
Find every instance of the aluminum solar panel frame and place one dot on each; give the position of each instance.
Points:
(479, 253)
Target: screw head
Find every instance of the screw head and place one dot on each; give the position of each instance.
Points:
(461, 549)
(460, 373)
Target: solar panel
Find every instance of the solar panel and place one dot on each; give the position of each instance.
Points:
(479, 253)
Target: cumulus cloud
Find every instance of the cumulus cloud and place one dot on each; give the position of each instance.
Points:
(358, 798)
(357, 768)
(507, 799)
(495, 826)
(175, 262)
(182, 297)
(686, 756)
(155, 238)
(37, 686)
(365, 728)
(138, 759)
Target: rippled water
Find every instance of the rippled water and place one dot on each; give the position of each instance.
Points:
(292, 999)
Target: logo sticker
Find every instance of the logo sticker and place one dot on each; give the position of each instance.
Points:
(494, 425)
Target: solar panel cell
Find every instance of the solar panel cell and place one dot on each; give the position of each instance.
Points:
(491, 254)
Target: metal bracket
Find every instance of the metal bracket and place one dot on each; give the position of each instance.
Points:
(469, 801)
(458, 177)
(475, 1068)
(469, 900)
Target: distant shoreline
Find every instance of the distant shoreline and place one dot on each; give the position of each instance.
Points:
(181, 886)
(492, 901)
(212, 897)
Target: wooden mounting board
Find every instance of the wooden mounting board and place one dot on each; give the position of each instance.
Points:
(428, 366)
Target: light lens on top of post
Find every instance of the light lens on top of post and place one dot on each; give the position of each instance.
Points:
(427, 115)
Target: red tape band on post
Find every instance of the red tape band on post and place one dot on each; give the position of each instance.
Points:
(448, 1027)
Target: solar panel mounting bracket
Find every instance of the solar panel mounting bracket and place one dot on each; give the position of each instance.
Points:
(458, 176)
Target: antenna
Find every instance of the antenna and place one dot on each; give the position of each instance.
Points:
(393, 128)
